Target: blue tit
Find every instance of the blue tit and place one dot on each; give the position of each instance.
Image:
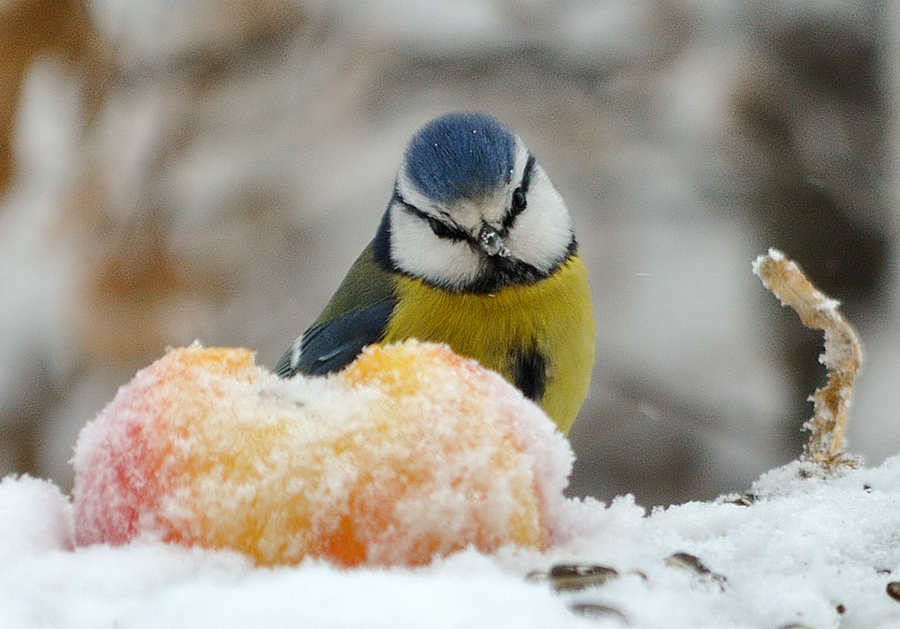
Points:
(475, 250)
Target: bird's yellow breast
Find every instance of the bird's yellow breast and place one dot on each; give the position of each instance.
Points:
(553, 317)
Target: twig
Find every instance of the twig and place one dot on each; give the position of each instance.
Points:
(842, 357)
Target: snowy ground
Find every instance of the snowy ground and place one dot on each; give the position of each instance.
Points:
(809, 552)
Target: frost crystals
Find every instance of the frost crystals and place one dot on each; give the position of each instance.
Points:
(842, 357)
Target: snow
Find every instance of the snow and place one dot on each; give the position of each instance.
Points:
(806, 547)
(803, 547)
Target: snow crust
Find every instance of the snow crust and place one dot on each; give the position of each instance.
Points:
(810, 550)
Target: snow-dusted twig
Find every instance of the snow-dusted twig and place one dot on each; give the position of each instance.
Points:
(842, 356)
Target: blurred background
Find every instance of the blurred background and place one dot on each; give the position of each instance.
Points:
(209, 169)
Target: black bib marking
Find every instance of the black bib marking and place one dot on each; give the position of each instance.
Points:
(529, 369)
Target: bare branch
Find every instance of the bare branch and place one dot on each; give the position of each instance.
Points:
(842, 356)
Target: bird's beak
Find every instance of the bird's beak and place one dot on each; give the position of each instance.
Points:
(491, 242)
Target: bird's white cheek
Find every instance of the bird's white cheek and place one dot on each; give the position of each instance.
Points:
(416, 250)
(542, 233)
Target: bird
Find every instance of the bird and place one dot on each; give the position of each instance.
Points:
(476, 250)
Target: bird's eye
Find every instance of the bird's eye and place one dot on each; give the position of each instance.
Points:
(518, 205)
(519, 202)
(440, 229)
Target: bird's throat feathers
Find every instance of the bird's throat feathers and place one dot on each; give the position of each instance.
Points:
(500, 329)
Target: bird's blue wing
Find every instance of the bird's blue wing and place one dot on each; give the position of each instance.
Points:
(330, 346)
(356, 316)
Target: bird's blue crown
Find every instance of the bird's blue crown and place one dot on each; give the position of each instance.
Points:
(460, 156)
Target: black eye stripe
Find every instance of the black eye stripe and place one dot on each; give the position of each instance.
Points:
(526, 175)
(520, 195)
(440, 228)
